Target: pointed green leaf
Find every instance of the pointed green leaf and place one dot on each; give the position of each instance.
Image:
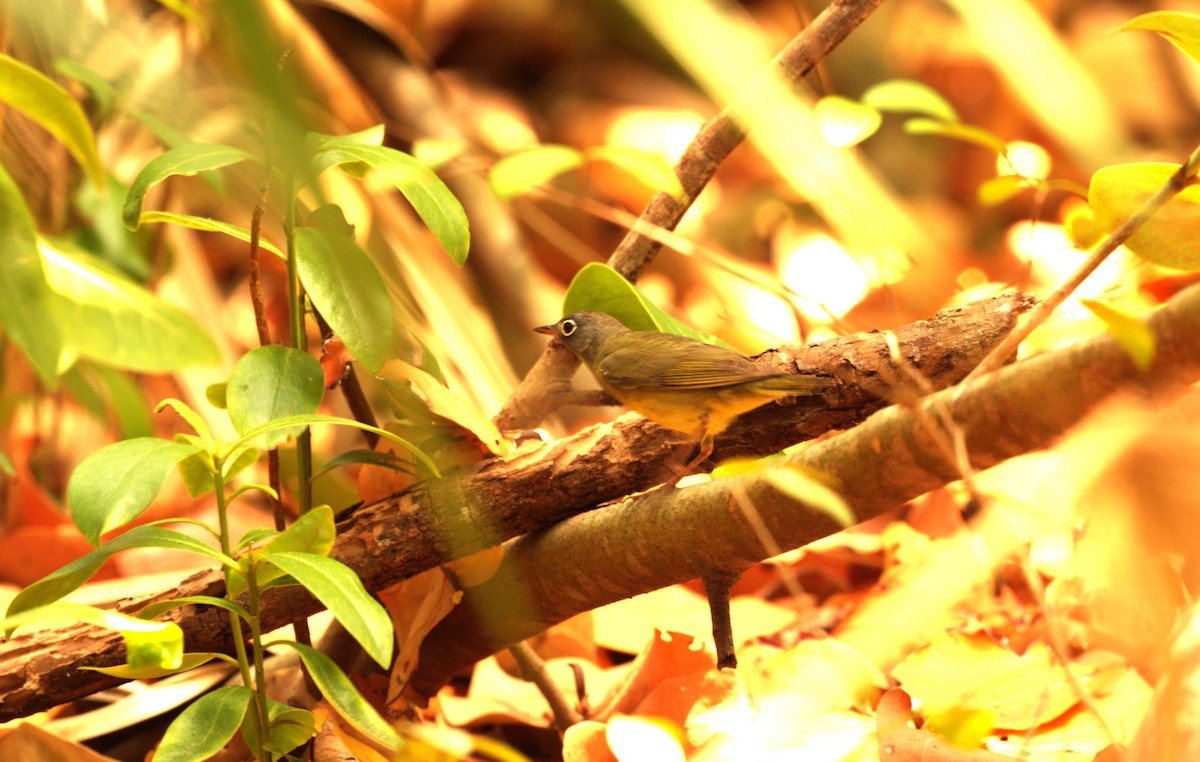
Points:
(650, 169)
(844, 122)
(111, 396)
(189, 159)
(314, 532)
(45, 102)
(348, 291)
(429, 196)
(149, 672)
(906, 95)
(324, 148)
(518, 173)
(149, 646)
(997, 190)
(209, 225)
(344, 697)
(1171, 237)
(190, 416)
(107, 317)
(25, 296)
(599, 287)
(340, 590)
(115, 484)
(204, 728)
(1181, 29)
(289, 727)
(1135, 336)
(159, 608)
(59, 583)
(806, 488)
(968, 133)
(366, 458)
(309, 420)
(272, 382)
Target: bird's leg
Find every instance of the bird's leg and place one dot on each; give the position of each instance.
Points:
(706, 448)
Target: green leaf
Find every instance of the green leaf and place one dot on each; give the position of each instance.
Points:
(149, 672)
(340, 590)
(190, 416)
(968, 133)
(111, 397)
(517, 173)
(215, 394)
(314, 532)
(45, 102)
(6, 466)
(115, 484)
(649, 168)
(209, 225)
(58, 583)
(187, 160)
(429, 196)
(204, 728)
(348, 291)
(809, 489)
(1171, 237)
(107, 317)
(25, 296)
(149, 646)
(843, 122)
(436, 153)
(997, 190)
(909, 96)
(1181, 29)
(344, 697)
(599, 287)
(289, 727)
(366, 458)
(324, 148)
(309, 420)
(1134, 335)
(271, 382)
(159, 608)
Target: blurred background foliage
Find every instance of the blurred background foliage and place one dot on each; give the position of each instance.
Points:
(795, 239)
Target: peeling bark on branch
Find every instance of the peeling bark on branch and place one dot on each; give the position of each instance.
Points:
(536, 487)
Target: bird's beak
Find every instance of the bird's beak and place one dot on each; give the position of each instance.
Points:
(546, 329)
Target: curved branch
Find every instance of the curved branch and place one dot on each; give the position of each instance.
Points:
(644, 544)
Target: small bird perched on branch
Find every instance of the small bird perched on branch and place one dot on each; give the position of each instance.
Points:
(679, 382)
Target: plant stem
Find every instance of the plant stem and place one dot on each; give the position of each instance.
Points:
(300, 342)
(260, 683)
(235, 623)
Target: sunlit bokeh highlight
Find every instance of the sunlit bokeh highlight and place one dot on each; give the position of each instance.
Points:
(1052, 257)
(1025, 159)
(816, 268)
(637, 739)
(664, 132)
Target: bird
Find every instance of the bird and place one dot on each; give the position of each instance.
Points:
(679, 382)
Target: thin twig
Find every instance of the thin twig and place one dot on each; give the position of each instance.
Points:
(534, 670)
(1183, 177)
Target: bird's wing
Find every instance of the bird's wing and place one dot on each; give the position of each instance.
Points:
(674, 362)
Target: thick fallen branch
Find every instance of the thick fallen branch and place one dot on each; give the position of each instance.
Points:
(674, 536)
(537, 487)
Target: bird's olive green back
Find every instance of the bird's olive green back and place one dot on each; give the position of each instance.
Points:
(645, 360)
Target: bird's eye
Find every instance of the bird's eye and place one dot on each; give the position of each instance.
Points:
(568, 327)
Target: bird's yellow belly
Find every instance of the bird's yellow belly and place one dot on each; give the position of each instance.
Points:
(693, 410)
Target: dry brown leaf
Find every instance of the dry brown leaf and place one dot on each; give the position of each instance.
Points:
(415, 606)
(29, 742)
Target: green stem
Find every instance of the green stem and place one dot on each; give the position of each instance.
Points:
(235, 622)
(299, 341)
(256, 642)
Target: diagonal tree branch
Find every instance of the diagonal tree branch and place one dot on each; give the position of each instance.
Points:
(670, 537)
(534, 488)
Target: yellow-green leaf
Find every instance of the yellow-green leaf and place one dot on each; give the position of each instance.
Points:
(1171, 237)
(968, 133)
(907, 95)
(844, 122)
(1181, 29)
(519, 172)
(649, 168)
(41, 99)
(1134, 336)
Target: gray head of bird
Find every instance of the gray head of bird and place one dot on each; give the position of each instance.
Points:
(583, 332)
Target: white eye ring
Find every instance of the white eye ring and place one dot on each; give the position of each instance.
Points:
(568, 327)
